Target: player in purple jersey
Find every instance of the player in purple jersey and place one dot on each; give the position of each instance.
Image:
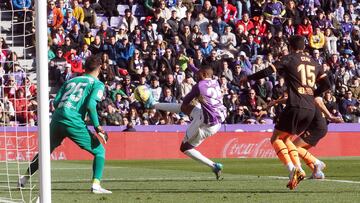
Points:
(207, 115)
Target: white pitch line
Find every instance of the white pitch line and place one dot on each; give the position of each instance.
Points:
(328, 180)
(193, 178)
(88, 168)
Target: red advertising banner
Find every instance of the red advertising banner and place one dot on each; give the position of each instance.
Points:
(150, 145)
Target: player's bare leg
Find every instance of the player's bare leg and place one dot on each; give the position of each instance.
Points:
(316, 165)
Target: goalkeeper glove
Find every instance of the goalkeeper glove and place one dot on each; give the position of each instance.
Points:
(101, 135)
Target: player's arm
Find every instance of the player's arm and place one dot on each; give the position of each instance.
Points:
(192, 66)
(323, 84)
(58, 97)
(95, 97)
(320, 104)
(266, 72)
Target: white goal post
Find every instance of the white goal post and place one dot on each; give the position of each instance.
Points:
(43, 100)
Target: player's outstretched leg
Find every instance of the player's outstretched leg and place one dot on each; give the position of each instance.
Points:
(189, 150)
(314, 164)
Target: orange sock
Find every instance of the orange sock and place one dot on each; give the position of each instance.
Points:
(293, 153)
(281, 151)
(307, 157)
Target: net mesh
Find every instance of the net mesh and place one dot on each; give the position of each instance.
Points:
(18, 140)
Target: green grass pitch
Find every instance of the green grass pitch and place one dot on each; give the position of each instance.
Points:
(245, 180)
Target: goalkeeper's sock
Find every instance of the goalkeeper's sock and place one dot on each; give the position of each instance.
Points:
(196, 155)
(98, 167)
(171, 107)
(96, 181)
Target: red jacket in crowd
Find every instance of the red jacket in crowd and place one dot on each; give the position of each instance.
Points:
(228, 13)
(304, 30)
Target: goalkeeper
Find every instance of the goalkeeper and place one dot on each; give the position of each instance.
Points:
(75, 99)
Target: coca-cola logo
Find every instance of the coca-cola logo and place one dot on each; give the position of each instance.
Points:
(238, 148)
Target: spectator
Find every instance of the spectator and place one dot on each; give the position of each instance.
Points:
(109, 7)
(156, 90)
(317, 39)
(134, 117)
(256, 107)
(171, 84)
(126, 51)
(180, 9)
(228, 41)
(208, 10)
(292, 12)
(55, 17)
(305, 28)
(129, 128)
(89, 15)
(136, 65)
(232, 101)
(122, 104)
(78, 12)
(167, 96)
(173, 22)
(227, 11)
(96, 46)
(69, 21)
(245, 23)
(165, 12)
(213, 36)
(238, 116)
(274, 11)
(105, 32)
(76, 36)
(4, 116)
(129, 21)
(349, 108)
(186, 85)
(128, 87)
(355, 87)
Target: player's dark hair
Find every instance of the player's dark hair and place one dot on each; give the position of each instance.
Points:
(297, 42)
(207, 70)
(92, 63)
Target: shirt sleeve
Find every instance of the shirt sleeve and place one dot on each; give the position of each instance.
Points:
(96, 96)
(282, 65)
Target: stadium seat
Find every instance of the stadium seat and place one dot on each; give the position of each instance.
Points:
(138, 10)
(121, 9)
(99, 20)
(94, 32)
(115, 21)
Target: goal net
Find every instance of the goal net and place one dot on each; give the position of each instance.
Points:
(18, 102)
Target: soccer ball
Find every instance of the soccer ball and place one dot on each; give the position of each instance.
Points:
(142, 93)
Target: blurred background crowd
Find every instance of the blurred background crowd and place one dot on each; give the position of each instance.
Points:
(152, 42)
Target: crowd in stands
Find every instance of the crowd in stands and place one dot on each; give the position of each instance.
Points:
(152, 42)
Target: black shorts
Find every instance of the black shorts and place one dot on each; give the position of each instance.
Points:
(295, 120)
(317, 129)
